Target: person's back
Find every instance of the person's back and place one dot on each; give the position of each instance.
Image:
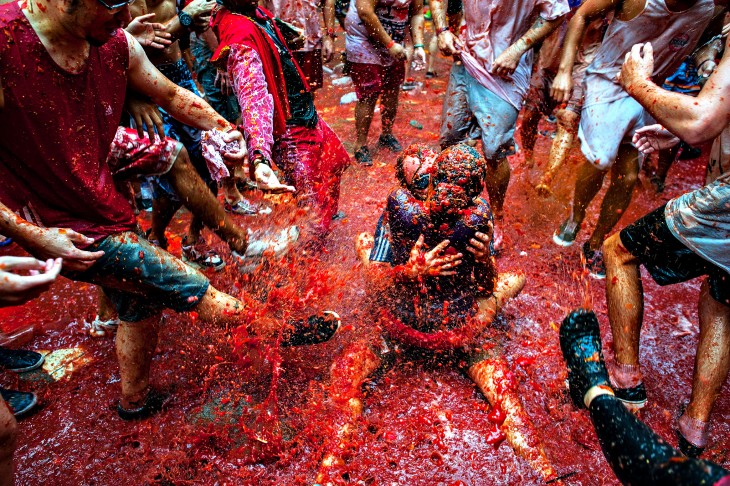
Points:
(59, 176)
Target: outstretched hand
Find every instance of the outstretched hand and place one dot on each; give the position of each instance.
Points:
(432, 263)
(17, 289)
(53, 243)
(653, 138)
(266, 180)
(149, 34)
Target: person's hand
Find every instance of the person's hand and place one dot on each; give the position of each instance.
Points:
(17, 289)
(419, 59)
(149, 34)
(653, 138)
(446, 43)
(397, 52)
(562, 87)
(199, 8)
(479, 247)
(507, 62)
(52, 243)
(239, 156)
(637, 67)
(431, 263)
(328, 48)
(266, 180)
(146, 116)
(223, 81)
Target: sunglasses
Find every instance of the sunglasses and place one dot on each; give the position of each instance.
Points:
(115, 5)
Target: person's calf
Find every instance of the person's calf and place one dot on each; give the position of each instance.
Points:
(8, 441)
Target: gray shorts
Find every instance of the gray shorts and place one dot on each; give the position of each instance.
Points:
(468, 106)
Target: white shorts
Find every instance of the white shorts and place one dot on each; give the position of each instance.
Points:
(605, 126)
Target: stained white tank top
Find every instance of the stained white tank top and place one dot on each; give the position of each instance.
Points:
(673, 35)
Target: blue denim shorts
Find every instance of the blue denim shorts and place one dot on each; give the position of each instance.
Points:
(140, 279)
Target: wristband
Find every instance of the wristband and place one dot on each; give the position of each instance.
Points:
(416, 46)
(441, 30)
(331, 33)
(390, 44)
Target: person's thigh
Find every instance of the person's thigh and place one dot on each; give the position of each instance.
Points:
(495, 116)
(456, 116)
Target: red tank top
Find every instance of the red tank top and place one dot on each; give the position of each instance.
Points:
(56, 131)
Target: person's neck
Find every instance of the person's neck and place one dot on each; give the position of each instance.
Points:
(66, 45)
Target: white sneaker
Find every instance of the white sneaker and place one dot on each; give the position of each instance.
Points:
(261, 244)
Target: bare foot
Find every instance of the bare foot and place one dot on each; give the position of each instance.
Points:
(363, 246)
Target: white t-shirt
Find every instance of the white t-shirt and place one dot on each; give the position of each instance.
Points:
(393, 16)
(673, 35)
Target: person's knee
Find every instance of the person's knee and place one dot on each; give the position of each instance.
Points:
(615, 253)
(568, 120)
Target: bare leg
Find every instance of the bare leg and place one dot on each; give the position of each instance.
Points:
(508, 285)
(530, 120)
(348, 373)
(364, 110)
(712, 360)
(587, 184)
(664, 162)
(8, 439)
(390, 110)
(625, 298)
(163, 209)
(498, 175)
(432, 53)
(624, 174)
(567, 128)
(492, 378)
(230, 190)
(197, 197)
(136, 343)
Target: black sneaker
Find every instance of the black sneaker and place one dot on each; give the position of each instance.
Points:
(580, 341)
(152, 404)
(686, 447)
(565, 235)
(390, 142)
(634, 398)
(594, 262)
(689, 152)
(408, 86)
(201, 256)
(431, 74)
(20, 360)
(19, 402)
(316, 329)
(362, 156)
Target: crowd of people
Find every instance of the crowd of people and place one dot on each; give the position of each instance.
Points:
(154, 99)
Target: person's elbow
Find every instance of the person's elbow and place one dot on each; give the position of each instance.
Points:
(703, 130)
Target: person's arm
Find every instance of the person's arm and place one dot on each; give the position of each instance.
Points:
(444, 35)
(419, 54)
(375, 30)
(48, 243)
(199, 10)
(149, 34)
(592, 9)
(694, 120)
(328, 40)
(507, 61)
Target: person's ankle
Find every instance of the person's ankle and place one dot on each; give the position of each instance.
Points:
(695, 431)
(625, 375)
(136, 400)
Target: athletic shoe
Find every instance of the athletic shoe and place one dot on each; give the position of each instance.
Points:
(19, 402)
(5, 241)
(431, 74)
(580, 341)
(408, 86)
(686, 447)
(20, 360)
(594, 262)
(152, 404)
(201, 256)
(246, 208)
(689, 152)
(565, 235)
(390, 142)
(259, 245)
(362, 156)
(634, 397)
(316, 329)
(338, 216)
